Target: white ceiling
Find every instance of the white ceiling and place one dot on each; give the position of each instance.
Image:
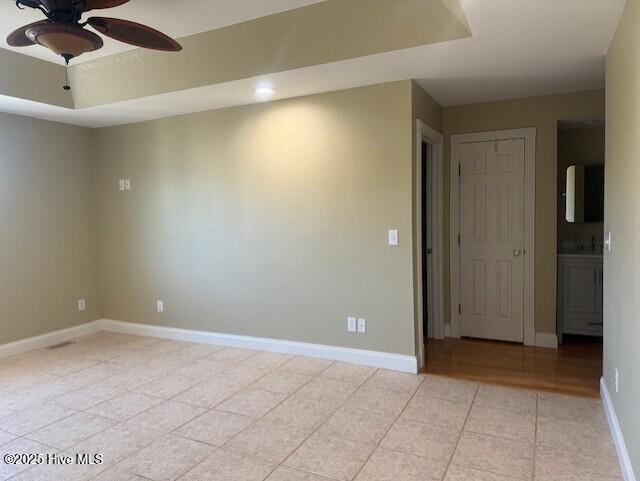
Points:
(524, 48)
(519, 48)
(176, 18)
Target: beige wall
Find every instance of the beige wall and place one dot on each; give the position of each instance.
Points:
(48, 245)
(584, 146)
(268, 220)
(317, 34)
(542, 113)
(622, 218)
(33, 79)
(424, 108)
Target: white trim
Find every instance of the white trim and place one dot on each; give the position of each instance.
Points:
(545, 339)
(436, 227)
(529, 136)
(384, 360)
(616, 433)
(49, 339)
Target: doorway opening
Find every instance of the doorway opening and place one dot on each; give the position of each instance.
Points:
(492, 236)
(429, 237)
(426, 233)
(580, 231)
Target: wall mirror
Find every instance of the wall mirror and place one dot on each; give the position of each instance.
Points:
(585, 194)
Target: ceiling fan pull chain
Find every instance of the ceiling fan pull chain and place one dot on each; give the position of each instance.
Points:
(66, 85)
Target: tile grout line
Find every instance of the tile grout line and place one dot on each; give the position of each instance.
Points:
(213, 408)
(498, 437)
(115, 423)
(466, 419)
(323, 423)
(76, 411)
(282, 464)
(133, 390)
(118, 423)
(395, 420)
(255, 421)
(224, 445)
(171, 432)
(193, 361)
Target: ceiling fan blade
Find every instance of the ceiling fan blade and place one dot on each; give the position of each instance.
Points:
(18, 37)
(99, 4)
(29, 3)
(134, 33)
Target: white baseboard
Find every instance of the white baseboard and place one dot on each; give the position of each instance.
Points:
(544, 339)
(383, 360)
(49, 339)
(616, 433)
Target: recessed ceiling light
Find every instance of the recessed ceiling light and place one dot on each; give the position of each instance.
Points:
(265, 92)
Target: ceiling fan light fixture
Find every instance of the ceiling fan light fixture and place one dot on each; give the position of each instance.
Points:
(63, 31)
(67, 40)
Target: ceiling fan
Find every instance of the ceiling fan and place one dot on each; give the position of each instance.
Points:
(63, 31)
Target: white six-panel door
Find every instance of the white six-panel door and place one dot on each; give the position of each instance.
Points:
(492, 184)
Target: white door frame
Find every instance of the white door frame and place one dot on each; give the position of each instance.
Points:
(426, 134)
(529, 136)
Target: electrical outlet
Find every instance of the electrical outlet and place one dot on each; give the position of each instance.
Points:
(351, 324)
(121, 184)
(362, 326)
(160, 305)
(127, 184)
(617, 381)
(82, 305)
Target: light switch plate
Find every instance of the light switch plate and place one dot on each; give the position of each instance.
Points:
(362, 326)
(351, 324)
(121, 184)
(393, 237)
(127, 184)
(82, 305)
(160, 305)
(607, 241)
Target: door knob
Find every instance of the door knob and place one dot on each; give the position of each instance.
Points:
(516, 252)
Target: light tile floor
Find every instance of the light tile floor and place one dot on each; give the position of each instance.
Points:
(162, 410)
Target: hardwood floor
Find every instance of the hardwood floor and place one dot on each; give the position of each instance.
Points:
(575, 368)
